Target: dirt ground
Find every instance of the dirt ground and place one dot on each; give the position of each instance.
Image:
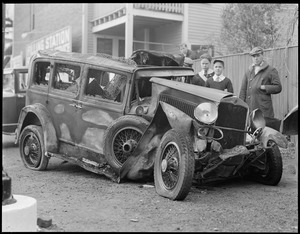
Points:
(80, 201)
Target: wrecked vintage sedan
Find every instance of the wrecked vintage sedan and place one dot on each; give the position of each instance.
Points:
(139, 119)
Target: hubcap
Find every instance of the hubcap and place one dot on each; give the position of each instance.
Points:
(26, 150)
(164, 165)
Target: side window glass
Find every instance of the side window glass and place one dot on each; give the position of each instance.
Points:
(66, 77)
(41, 73)
(106, 85)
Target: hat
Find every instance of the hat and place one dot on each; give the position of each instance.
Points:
(256, 50)
(219, 60)
(206, 56)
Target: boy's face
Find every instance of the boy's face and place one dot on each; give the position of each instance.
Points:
(218, 68)
(205, 64)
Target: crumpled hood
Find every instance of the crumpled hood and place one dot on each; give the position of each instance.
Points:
(204, 92)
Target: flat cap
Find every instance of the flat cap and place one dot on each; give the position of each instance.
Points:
(256, 50)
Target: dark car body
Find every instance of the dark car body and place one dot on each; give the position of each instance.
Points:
(14, 90)
(132, 119)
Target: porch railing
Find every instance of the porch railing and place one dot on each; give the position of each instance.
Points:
(176, 8)
(164, 7)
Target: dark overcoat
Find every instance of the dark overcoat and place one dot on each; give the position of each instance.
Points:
(254, 96)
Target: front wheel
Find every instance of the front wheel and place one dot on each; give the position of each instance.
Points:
(174, 165)
(273, 169)
(32, 148)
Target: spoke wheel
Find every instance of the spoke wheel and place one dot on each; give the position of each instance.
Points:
(121, 139)
(174, 165)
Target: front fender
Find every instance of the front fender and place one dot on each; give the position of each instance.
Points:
(140, 164)
(271, 134)
(37, 114)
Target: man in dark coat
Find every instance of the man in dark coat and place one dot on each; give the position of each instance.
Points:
(259, 82)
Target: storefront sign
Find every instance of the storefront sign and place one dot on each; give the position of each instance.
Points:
(59, 40)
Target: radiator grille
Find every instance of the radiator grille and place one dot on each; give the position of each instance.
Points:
(183, 105)
(229, 115)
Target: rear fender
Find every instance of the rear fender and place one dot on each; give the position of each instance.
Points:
(140, 164)
(271, 134)
(37, 114)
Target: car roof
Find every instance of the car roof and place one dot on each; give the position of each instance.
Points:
(94, 59)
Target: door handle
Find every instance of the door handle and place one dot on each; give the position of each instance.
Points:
(76, 105)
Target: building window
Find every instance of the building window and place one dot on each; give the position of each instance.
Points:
(203, 49)
(104, 45)
(121, 48)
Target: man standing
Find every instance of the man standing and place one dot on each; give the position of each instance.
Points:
(188, 54)
(259, 82)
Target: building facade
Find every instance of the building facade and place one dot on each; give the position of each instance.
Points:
(115, 29)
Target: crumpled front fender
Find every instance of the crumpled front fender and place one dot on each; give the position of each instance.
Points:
(140, 164)
(271, 134)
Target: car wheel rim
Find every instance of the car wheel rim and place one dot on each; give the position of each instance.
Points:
(170, 165)
(31, 150)
(125, 142)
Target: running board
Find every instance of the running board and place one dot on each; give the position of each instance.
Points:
(101, 169)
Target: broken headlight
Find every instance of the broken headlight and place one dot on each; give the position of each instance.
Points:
(206, 112)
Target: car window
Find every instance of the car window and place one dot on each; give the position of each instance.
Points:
(105, 85)
(23, 78)
(66, 77)
(41, 73)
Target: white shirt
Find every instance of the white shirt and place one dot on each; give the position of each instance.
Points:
(221, 77)
(257, 67)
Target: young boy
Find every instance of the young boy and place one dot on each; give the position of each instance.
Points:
(219, 81)
(201, 77)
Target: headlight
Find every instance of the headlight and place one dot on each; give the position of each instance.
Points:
(206, 112)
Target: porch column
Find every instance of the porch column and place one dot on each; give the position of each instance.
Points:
(184, 35)
(129, 30)
(84, 44)
(146, 38)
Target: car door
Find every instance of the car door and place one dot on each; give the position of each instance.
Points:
(102, 100)
(62, 100)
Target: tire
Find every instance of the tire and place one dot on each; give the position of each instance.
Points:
(273, 172)
(174, 180)
(121, 138)
(32, 148)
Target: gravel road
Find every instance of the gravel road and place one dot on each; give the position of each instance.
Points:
(80, 201)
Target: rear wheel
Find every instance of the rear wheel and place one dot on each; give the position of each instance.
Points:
(174, 166)
(32, 148)
(121, 139)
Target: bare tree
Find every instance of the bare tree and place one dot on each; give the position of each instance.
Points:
(248, 25)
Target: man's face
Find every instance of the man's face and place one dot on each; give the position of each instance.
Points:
(183, 49)
(257, 59)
